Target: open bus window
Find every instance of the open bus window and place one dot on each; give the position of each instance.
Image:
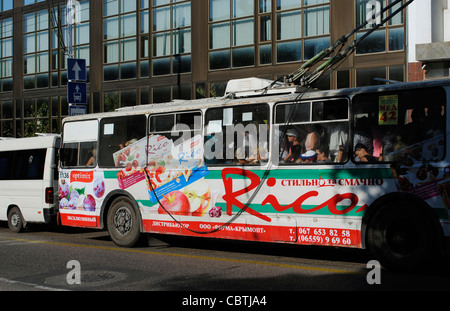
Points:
(313, 132)
(116, 137)
(404, 126)
(237, 135)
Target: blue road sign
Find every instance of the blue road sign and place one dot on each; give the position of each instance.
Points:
(76, 69)
(77, 93)
(77, 110)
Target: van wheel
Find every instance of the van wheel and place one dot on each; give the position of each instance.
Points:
(400, 235)
(15, 220)
(123, 223)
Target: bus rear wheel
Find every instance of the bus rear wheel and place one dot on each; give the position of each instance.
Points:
(400, 235)
(123, 223)
(15, 220)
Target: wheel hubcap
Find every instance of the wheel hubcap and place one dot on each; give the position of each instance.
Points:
(123, 221)
(15, 220)
(402, 237)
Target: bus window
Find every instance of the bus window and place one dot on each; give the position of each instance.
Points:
(178, 127)
(80, 144)
(313, 132)
(237, 135)
(401, 126)
(116, 135)
(79, 154)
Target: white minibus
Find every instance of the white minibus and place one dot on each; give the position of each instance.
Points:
(28, 179)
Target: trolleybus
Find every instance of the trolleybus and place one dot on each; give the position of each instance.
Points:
(361, 168)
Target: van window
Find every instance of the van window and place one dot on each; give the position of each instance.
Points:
(6, 161)
(22, 164)
(29, 164)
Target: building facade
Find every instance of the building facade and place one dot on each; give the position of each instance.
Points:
(428, 40)
(153, 51)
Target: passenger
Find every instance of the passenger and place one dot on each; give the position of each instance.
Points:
(309, 156)
(362, 135)
(322, 155)
(338, 143)
(435, 122)
(363, 155)
(93, 159)
(294, 154)
(415, 130)
(312, 140)
(292, 136)
(128, 143)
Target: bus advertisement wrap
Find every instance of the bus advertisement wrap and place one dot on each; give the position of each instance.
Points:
(81, 197)
(345, 168)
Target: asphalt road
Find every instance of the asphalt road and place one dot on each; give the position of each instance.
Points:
(68, 259)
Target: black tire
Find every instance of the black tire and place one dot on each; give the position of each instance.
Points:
(400, 235)
(123, 223)
(15, 220)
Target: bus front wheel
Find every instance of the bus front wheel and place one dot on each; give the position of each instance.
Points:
(400, 235)
(15, 220)
(123, 223)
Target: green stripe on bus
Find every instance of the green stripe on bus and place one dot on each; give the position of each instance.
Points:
(381, 173)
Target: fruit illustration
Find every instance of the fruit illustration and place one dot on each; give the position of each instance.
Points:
(89, 203)
(72, 205)
(99, 188)
(74, 195)
(161, 174)
(63, 189)
(199, 196)
(176, 203)
(216, 212)
(63, 203)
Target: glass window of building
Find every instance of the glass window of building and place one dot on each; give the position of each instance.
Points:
(144, 38)
(7, 119)
(390, 37)
(80, 37)
(6, 55)
(300, 29)
(6, 5)
(171, 35)
(120, 39)
(231, 33)
(36, 50)
(28, 2)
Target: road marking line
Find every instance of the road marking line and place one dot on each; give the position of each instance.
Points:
(130, 250)
(3, 280)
